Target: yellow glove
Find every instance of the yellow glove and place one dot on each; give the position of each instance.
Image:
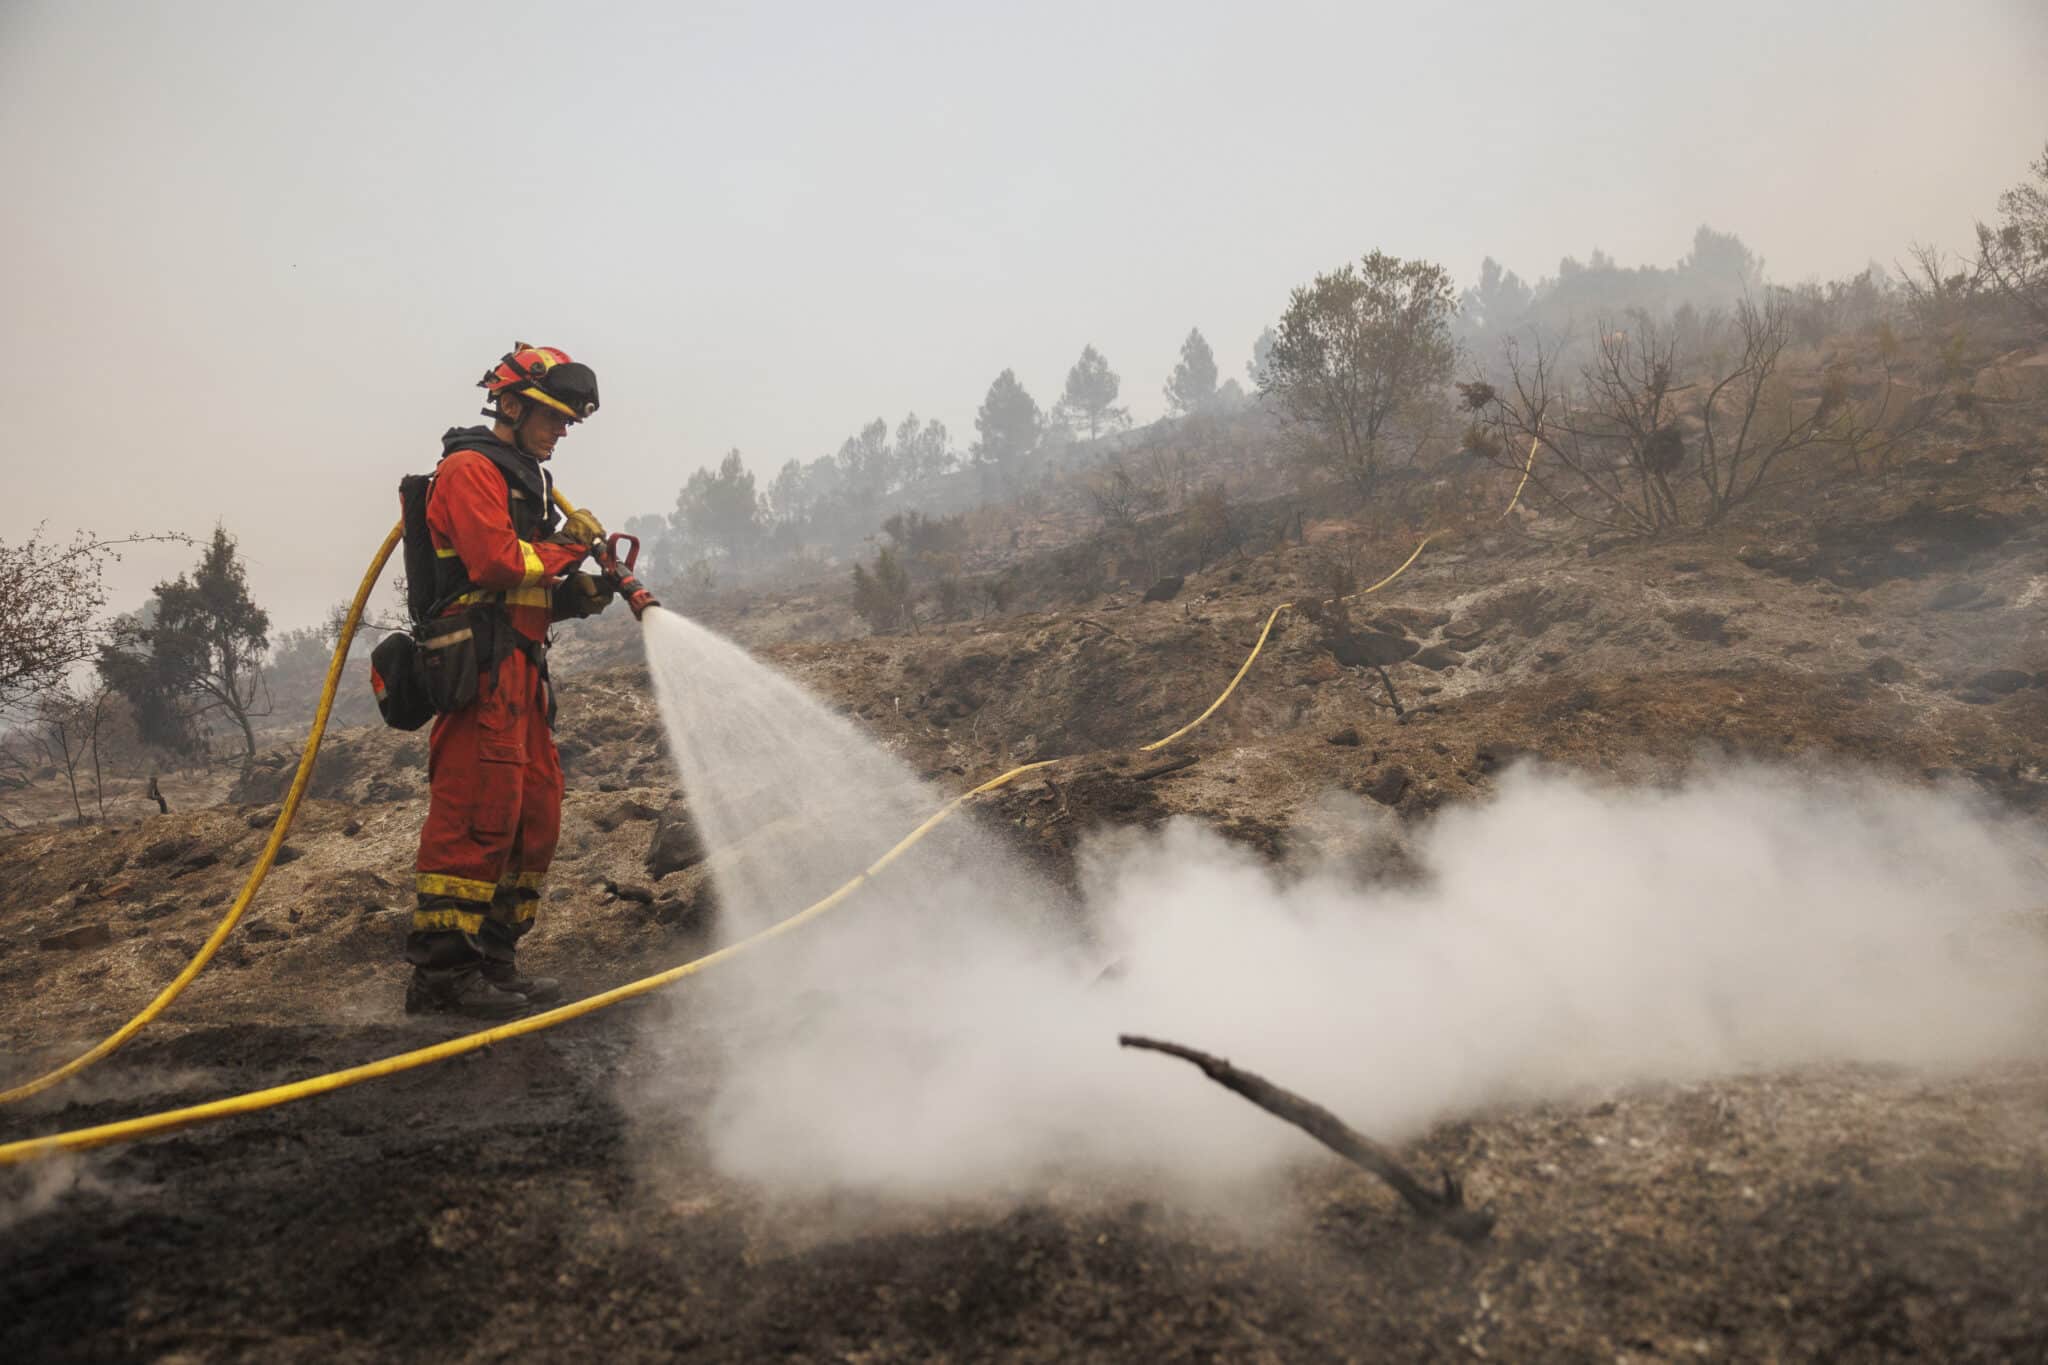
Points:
(583, 528)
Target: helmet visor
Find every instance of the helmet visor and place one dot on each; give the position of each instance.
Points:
(570, 387)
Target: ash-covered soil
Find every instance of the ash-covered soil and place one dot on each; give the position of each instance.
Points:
(520, 1203)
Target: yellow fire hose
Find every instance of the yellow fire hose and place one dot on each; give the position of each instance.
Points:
(1528, 466)
(81, 1139)
(263, 862)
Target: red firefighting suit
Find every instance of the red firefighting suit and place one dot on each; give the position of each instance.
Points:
(495, 812)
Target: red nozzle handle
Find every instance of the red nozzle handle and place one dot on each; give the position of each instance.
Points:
(632, 554)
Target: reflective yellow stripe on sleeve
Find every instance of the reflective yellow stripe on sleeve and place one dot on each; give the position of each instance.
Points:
(515, 597)
(534, 570)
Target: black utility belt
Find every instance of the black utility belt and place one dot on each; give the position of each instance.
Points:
(438, 668)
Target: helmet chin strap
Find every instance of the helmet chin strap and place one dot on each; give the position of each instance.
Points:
(518, 425)
(519, 433)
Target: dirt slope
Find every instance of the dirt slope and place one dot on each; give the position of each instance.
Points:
(494, 1207)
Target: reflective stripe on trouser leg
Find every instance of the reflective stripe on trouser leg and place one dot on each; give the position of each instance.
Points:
(513, 909)
(445, 902)
(476, 768)
(449, 914)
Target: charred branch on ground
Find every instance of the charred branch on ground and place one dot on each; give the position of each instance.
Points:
(1444, 1208)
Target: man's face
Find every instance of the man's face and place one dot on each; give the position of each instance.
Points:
(539, 427)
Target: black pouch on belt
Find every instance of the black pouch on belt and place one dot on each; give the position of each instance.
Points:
(395, 678)
(448, 647)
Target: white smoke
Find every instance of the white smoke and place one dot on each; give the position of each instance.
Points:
(31, 1190)
(951, 1031)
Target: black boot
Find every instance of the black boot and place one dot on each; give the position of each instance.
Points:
(462, 991)
(503, 974)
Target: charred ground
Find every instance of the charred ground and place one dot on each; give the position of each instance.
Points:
(494, 1206)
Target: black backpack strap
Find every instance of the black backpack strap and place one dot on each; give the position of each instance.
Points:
(422, 572)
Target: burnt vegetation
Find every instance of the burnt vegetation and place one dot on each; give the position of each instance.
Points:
(1798, 523)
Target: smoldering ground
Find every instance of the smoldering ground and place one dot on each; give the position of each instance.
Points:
(950, 1032)
(33, 1189)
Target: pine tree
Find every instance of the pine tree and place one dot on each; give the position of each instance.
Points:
(200, 651)
(882, 598)
(1009, 424)
(1193, 386)
(721, 509)
(1090, 396)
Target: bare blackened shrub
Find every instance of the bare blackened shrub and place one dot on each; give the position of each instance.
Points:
(1337, 568)
(1664, 449)
(1481, 439)
(1170, 471)
(1655, 432)
(1751, 421)
(1939, 299)
(50, 598)
(1213, 528)
(924, 538)
(949, 598)
(1602, 433)
(1122, 500)
(1083, 570)
(2013, 256)
(995, 593)
(1818, 312)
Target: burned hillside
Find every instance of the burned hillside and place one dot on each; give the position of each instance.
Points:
(1890, 627)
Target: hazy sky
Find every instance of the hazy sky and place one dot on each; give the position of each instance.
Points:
(253, 256)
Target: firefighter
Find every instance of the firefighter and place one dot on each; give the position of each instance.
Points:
(505, 569)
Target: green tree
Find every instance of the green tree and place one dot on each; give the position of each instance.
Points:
(1193, 386)
(660, 553)
(868, 462)
(1356, 349)
(198, 653)
(1008, 425)
(922, 451)
(931, 544)
(1090, 397)
(1498, 303)
(882, 598)
(1262, 356)
(297, 667)
(2014, 255)
(788, 499)
(720, 508)
(1719, 270)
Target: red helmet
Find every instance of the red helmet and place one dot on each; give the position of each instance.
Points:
(547, 375)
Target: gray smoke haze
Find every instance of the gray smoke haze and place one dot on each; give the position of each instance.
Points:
(255, 255)
(950, 1032)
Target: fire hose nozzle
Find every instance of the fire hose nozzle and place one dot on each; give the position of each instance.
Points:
(616, 556)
